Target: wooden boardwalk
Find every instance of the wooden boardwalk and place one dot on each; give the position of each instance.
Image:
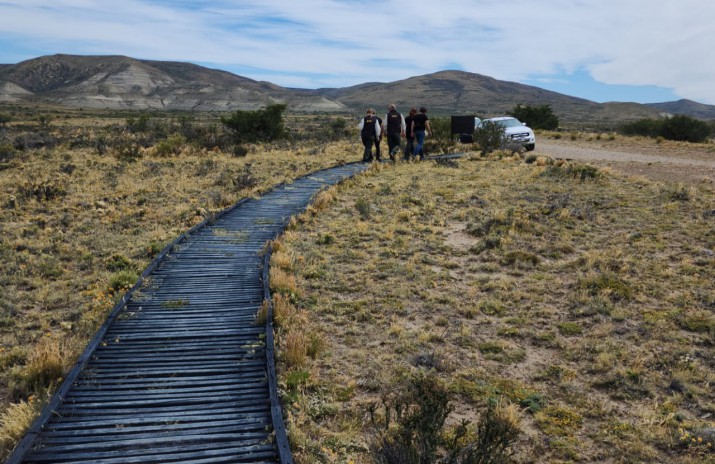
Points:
(181, 373)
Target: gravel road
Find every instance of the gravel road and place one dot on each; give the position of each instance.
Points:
(670, 163)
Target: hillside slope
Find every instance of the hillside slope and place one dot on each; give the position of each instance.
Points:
(119, 82)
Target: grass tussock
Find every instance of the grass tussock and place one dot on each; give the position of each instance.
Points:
(44, 368)
(14, 422)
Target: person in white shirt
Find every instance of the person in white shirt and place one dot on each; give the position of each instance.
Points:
(369, 132)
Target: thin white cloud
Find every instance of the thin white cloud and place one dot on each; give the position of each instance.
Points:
(319, 43)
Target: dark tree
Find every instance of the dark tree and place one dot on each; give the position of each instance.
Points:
(536, 117)
(264, 125)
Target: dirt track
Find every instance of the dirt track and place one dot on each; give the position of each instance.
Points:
(668, 162)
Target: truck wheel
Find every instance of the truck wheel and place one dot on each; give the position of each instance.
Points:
(530, 146)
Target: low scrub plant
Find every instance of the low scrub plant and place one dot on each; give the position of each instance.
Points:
(489, 136)
(172, 146)
(410, 428)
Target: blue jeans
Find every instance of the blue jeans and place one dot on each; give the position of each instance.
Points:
(419, 142)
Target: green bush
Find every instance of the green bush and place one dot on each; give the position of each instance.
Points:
(643, 127)
(140, 124)
(679, 127)
(684, 128)
(489, 136)
(171, 146)
(122, 280)
(440, 139)
(536, 117)
(263, 125)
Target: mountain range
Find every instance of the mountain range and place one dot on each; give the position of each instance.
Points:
(120, 82)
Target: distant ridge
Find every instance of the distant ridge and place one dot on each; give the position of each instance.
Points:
(120, 82)
(687, 107)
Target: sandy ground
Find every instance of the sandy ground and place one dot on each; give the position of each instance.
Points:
(667, 161)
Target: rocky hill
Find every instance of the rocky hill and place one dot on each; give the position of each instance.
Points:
(120, 82)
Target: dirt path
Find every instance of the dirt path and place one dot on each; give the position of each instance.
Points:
(668, 162)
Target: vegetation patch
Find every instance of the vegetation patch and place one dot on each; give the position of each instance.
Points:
(574, 295)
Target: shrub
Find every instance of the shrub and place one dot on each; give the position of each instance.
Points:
(607, 283)
(263, 125)
(119, 263)
(127, 150)
(643, 127)
(419, 413)
(573, 171)
(684, 128)
(411, 428)
(140, 124)
(43, 190)
(489, 136)
(122, 280)
(171, 146)
(363, 207)
(44, 121)
(536, 117)
(440, 138)
(678, 127)
(245, 178)
(239, 151)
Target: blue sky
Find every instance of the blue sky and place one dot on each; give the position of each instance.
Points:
(601, 50)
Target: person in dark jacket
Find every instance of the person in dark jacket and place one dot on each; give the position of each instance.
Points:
(394, 126)
(409, 137)
(369, 133)
(420, 129)
(378, 154)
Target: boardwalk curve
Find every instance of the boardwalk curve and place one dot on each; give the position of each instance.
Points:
(180, 372)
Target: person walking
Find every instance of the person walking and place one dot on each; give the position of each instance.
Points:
(395, 127)
(420, 129)
(378, 139)
(409, 136)
(369, 132)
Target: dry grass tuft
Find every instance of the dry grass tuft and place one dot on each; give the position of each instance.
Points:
(14, 422)
(282, 260)
(295, 350)
(45, 366)
(283, 282)
(323, 199)
(262, 314)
